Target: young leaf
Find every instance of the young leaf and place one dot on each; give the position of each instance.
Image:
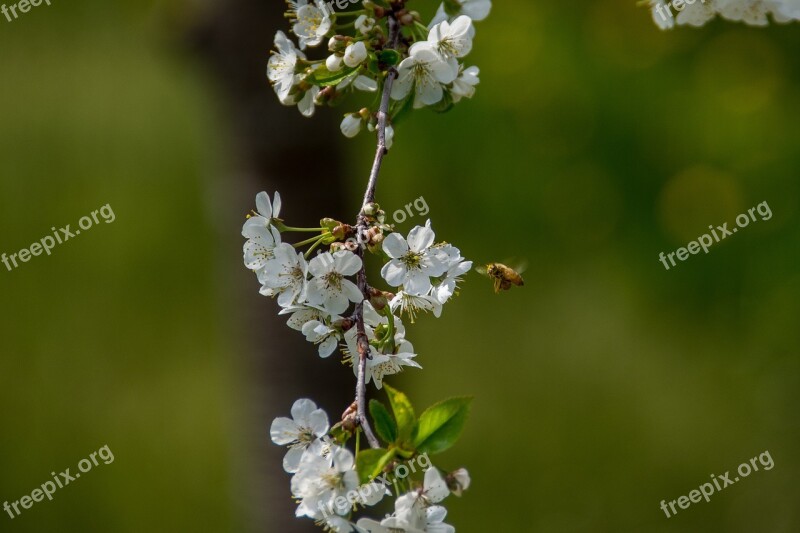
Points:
(371, 462)
(403, 414)
(324, 77)
(385, 426)
(441, 424)
(389, 57)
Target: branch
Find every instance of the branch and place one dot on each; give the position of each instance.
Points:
(361, 228)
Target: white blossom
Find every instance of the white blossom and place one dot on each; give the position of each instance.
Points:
(323, 335)
(285, 275)
(320, 481)
(412, 262)
(364, 24)
(302, 314)
(307, 425)
(698, 13)
(452, 40)
(282, 65)
(330, 288)
(355, 54)
(444, 289)
(261, 235)
(415, 512)
(313, 24)
(464, 85)
(424, 72)
(477, 10)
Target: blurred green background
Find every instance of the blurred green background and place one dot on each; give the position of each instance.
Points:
(595, 142)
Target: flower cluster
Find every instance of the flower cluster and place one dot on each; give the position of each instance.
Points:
(329, 484)
(699, 12)
(360, 53)
(329, 481)
(318, 292)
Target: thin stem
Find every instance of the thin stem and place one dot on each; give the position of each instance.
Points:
(308, 241)
(289, 228)
(361, 228)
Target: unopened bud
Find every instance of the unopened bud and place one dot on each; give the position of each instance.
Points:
(371, 209)
(378, 300)
(350, 417)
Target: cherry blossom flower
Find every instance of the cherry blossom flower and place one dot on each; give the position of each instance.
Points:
(323, 335)
(330, 288)
(477, 10)
(307, 425)
(452, 40)
(313, 24)
(464, 85)
(320, 481)
(282, 65)
(424, 71)
(412, 262)
(285, 275)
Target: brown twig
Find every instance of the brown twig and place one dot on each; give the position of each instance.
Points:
(361, 228)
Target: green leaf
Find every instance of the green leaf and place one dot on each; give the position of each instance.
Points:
(370, 463)
(389, 57)
(441, 425)
(403, 414)
(385, 426)
(324, 77)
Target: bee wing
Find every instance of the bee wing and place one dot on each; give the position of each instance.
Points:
(516, 264)
(481, 269)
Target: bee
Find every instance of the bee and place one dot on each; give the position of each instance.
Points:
(502, 275)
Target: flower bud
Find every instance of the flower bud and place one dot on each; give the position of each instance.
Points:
(350, 418)
(337, 43)
(355, 54)
(334, 63)
(371, 209)
(351, 125)
(364, 24)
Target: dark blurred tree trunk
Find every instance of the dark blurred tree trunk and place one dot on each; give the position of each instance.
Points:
(269, 147)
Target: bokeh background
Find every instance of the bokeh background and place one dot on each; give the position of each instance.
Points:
(595, 142)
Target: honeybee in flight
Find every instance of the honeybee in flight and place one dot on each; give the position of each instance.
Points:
(502, 275)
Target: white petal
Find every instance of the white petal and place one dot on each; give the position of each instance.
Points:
(291, 461)
(263, 205)
(420, 238)
(318, 422)
(435, 486)
(283, 431)
(352, 291)
(394, 272)
(395, 245)
(347, 263)
(302, 408)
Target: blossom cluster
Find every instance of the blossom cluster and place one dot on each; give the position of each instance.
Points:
(699, 12)
(326, 481)
(329, 481)
(316, 293)
(427, 58)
